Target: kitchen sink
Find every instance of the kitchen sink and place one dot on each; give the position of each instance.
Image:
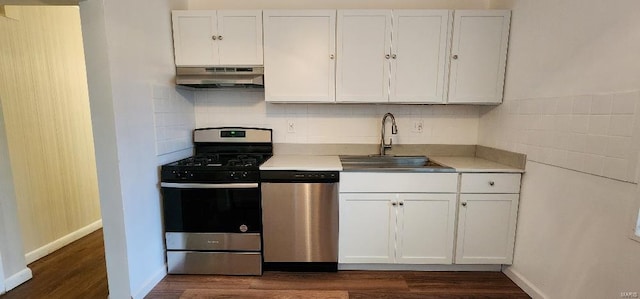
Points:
(392, 163)
(385, 160)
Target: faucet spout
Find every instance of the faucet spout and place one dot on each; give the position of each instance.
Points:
(394, 130)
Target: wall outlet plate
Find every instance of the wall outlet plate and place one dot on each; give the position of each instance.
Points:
(291, 126)
(418, 126)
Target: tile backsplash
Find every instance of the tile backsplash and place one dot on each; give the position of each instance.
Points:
(336, 123)
(174, 118)
(596, 134)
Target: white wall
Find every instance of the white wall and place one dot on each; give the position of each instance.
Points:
(13, 263)
(129, 55)
(571, 99)
(174, 119)
(2, 287)
(336, 123)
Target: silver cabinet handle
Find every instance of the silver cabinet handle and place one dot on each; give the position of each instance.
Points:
(394, 56)
(214, 37)
(491, 183)
(387, 56)
(331, 56)
(455, 57)
(219, 37)
(464, 204)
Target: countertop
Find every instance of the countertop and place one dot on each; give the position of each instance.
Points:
(332, 163)
(303, 163)
(474, 164)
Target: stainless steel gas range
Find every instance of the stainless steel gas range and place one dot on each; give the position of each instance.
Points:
(212, 203)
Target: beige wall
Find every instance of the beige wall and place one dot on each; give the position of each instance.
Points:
(46, 112)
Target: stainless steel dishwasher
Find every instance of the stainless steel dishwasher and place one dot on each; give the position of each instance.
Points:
(300, 220)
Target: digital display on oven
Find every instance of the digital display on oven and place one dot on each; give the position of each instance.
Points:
(233, 134)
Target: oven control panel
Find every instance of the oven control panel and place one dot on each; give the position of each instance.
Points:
(197, 176)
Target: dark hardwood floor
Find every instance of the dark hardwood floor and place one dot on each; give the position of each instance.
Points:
(78, 271)
(344, 284)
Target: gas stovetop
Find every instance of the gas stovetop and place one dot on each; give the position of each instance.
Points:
(214, 169)
(222, 161)
(222, 155)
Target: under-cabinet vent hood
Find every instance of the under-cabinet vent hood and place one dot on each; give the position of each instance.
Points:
(220, 76)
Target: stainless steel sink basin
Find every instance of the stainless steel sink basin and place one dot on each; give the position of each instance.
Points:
(392, 163)
(416, 161)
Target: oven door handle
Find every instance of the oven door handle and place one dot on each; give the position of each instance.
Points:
(209, 186)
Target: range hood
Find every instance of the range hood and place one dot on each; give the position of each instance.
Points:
(220, 76)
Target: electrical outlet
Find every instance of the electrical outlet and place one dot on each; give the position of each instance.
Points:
(291, 126)
(418, 126)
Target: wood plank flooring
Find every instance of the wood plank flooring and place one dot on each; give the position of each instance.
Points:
(78, 271)
(344, 284)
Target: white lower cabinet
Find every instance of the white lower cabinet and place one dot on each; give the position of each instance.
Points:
(420, 218)
(397, 218)
(487, 218)
(366, 231)
(410, 228)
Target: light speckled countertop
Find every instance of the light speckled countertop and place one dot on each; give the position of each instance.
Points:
(474, 164)
(463, 158)
(303, 163)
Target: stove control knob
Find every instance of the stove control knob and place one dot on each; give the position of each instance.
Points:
(245, 174)
(234, 175)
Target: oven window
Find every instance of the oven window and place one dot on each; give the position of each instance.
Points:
(212, 210)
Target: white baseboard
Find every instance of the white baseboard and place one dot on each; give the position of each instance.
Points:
(150, 283)
(408, 267)
(17, 279)
(2, 288)
(523, 283)
(59, 243)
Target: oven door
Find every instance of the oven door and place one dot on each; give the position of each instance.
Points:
(212, 208)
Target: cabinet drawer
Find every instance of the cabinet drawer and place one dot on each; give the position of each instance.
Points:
(490, 183)
(398, 182)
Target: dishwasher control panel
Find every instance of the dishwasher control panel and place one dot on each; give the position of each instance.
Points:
(286, 176)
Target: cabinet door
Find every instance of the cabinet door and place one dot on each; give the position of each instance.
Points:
(479, 55)
(426, 224)
(241, 37)
(363, 55)
(193, 41)
(486, 228)
(367, 228)
(299, 55)
(420, 53)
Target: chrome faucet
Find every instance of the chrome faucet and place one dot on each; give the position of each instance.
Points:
(394, 130)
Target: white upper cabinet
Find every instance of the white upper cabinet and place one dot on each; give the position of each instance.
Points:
(364, 45)
(392, 56)
(420, 56)
(299, 55)
(223, 37)
(478, 56)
